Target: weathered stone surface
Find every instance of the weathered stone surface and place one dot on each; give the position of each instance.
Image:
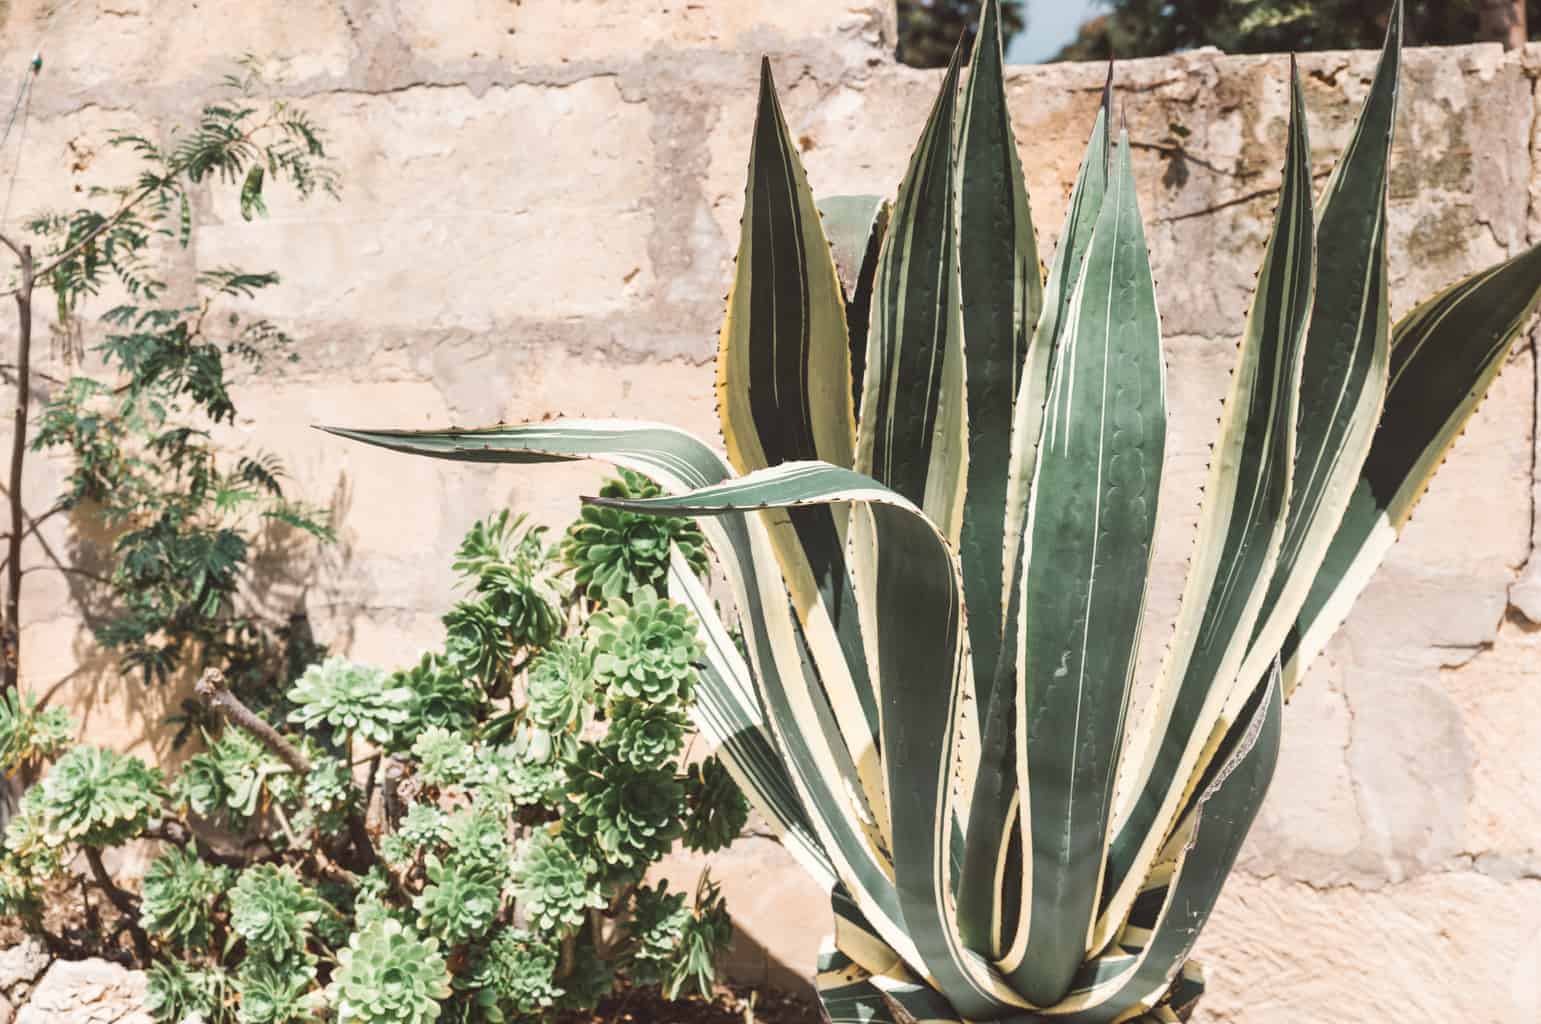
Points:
(22, 964)
(541, 204)
(87, 992)
(1446, 946)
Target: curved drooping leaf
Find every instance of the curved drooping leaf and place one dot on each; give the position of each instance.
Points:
(1241, 528)
(811, 748)
(920, 638)
(1001, 297)
(1090, 526)
(912, 431)
(1064, 273)
(728, 714)
(784, 394)
(1444, 356)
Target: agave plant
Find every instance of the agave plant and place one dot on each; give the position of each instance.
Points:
(936, 518)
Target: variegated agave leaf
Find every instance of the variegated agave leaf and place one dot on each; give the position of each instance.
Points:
(936, 516)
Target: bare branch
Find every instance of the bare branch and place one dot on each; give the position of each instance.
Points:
(211, 689)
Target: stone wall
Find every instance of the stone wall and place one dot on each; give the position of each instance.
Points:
(538, 219)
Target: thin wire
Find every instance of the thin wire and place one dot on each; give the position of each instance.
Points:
(21, 90)
(21, 145)
(24, 102)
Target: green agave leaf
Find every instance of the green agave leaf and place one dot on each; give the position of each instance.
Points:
(1343, 384)
(1001, 297)
(856, 226)
(912, 432)
(1180, 894)
(993, 852)
(1064, 273)
(784, 392)
(921, 646)
(798, 713)
(785, 327)
(728, 714)
(1241, 527)
(846, 991)
(1091, 522)
(1444, 357)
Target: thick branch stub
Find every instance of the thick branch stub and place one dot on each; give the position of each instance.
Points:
(211, 689)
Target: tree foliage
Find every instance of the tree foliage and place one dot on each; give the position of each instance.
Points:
(929, 30)
(1150, 28)
(138, 421)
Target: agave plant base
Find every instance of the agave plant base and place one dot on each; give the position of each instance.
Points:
(916, 424)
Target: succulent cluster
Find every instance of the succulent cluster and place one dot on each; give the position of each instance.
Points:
(463, 839)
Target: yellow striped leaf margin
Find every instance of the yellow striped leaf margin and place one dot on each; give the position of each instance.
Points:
(991, 893)
(784, 392)
(912, 431)
(1001, 296)
(856, 226)
(922, 644)
(1343, 384)
(1090, 525)
(1444, 356)
(1241, 527)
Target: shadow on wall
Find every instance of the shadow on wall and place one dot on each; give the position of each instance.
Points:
(115, 704)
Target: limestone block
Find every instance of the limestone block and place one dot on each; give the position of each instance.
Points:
(98, 52)
(455, 207)
(1442, 947)
(22, 964)
(550, 32)
(1500, 705)
(87, 992)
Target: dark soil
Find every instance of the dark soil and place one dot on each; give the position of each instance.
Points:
(735, 1005)
(79, 925)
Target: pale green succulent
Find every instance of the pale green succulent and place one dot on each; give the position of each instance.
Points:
(478, 841)
(351, 699)
(274, 911)
(646, 735)
(631, 815)
(282, 992)
(180, 896)
(328, 796)
(715, 808)
(423, 827)
(645, 648)
(519, 970)
(559, 688)
(443, 758)
(528, 782)
(231, 777)
(655, 930)
(388, 974)
(616, 552)
(29, 734)
(441, 698)
(460, 900)
(98, 797)
(556, 884)
(707, 935)
(31, 853)
(177, 992)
